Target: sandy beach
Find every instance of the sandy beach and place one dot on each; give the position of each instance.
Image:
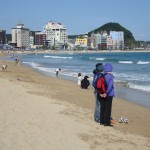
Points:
(46, 113)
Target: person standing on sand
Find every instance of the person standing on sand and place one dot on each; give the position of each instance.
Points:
(79, 79)
(57, 71)
(107, 97)
(97, 73)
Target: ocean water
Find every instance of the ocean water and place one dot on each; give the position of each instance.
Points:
(131, 70)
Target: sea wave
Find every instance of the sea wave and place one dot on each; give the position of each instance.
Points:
(120, 82)
(125, 62)
(133, 85)
(140, 77)
(99, 58)
(61, 57)
(33, 64)
(143, 62)
(139, 87)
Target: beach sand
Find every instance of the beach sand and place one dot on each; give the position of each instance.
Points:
(46, 113)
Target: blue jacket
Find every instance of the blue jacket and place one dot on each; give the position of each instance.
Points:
(110, 84)
(95, 78)
(109, 79)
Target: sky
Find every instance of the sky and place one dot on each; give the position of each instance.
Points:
(79, 16)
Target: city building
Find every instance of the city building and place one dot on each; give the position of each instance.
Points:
(56, 34)
(31, 41)
(109, 43)
(20, 37)
(118, 39)
(95, 40)
(99, 41)
(82, 41)
(40, 39)
(2, 36)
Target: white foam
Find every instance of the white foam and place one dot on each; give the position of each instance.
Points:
(33, 64)
(126, 62)
(92, 58)
(143, 62)
(132, 77)
(48, 56)
(139, 87)
(99, 58)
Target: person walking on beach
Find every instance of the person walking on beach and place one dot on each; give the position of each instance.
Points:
(85, 82)
(57, 71)
(16, 61)
(107, 97)
(97, 74)
(79, 79)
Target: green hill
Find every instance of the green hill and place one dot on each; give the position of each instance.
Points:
(129, 40)
(128, 37)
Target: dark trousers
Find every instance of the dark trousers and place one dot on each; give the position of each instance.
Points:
(105, 111)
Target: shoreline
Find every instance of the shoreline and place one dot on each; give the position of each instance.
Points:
(26, 75)
(128, 94)
(66, 51)
(40, 112)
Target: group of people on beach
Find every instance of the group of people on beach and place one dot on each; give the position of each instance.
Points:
(103, 104)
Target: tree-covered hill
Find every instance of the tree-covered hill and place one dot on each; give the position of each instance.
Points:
(128, 37)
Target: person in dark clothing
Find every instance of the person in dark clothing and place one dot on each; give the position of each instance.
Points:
(85, 83)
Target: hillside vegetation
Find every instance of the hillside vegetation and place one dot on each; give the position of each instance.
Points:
(128, 37)
(129, 40)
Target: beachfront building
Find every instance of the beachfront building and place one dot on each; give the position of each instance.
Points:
(2, 37)
(94, 41)
(31, 41)
(109, 43)
(82, 41)
(103, 43)
(99, 41)
(118, 39)
(56, 35)
(40, 39)
(20, 37)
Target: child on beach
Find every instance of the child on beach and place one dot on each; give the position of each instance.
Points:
(57, 71)
(79, 79)
(107, 97)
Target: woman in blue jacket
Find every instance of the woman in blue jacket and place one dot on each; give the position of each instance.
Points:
(106, 98)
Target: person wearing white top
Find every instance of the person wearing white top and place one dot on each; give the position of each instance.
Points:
(57, 71)
(79, 79)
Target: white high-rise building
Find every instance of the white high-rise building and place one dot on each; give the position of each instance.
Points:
(56, 34)
(118, 39)
(20, 36)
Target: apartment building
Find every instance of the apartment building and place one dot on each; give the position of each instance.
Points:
(99, 41)
(82, 41)
(109, 43)
(56, 34)
(2, 36)
(118, 39)
(40, 39)
(20, 37)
